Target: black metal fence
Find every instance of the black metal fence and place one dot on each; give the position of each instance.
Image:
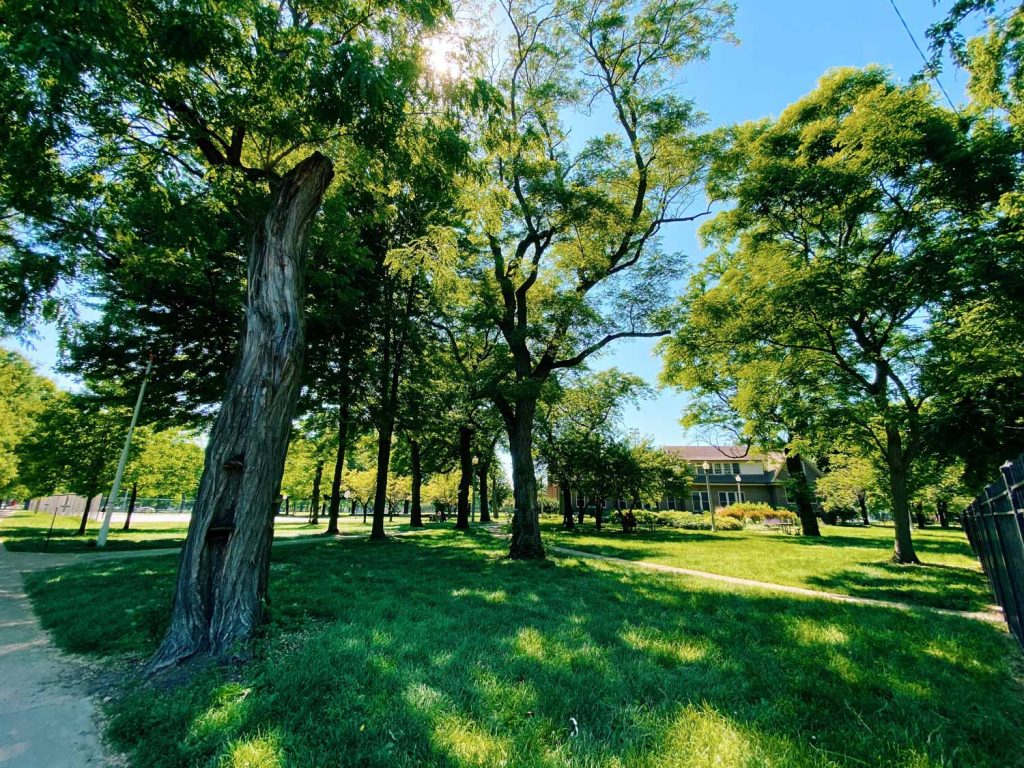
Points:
(994, 523)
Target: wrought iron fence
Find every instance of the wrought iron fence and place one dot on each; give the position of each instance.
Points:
(994, 523)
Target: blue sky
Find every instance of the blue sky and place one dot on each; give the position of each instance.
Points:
(784, 47)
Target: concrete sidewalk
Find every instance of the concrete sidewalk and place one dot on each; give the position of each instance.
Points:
(47, 718)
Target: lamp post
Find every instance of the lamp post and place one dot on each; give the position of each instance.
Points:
(707, 484)
(739, 494)
(101, 540)
(472, 486)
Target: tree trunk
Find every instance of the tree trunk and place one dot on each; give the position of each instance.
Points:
(802, 491)
(598, 513)
(314, 517)
(85, 515)
(567, 511)
(465, 477)
(416, 510)
(903, 547)
(919, 514)
(380, 499)
(581, 507)
(485, 509)
(862, 502)
(221, 586)
(339, 468)
(942, 513)
(131, 507)
(526, 543)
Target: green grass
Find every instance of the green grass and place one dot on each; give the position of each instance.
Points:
(435, 650)
(849, 560)
(26, 532)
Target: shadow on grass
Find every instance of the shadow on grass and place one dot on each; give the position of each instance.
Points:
(436, 650)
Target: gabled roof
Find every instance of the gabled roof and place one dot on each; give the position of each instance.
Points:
(719, 452)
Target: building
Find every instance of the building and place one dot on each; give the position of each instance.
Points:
(734, 472)
(726, 474)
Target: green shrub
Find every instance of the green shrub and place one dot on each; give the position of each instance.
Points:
(758, 512)
(689, 521)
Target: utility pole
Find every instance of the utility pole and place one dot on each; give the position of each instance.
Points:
(101, 540)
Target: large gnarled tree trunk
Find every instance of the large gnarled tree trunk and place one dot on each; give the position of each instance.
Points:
(220, 595)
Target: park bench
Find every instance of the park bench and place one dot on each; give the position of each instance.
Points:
(778, 524)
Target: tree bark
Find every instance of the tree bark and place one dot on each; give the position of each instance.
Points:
(903, 547)
(131, 507)
(85, 515)
(567, 511)
(802, 491)
(942, 513)
(598, 513)
(465, 477)
(221, 588)
(416, 509)
(526, 543)
(862, 502)
(339, 468)
(919, 514)
(380, 499)
(485, 509)
(581, 507)
(314, 517)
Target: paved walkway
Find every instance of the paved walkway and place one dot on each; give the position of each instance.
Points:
(47, 719)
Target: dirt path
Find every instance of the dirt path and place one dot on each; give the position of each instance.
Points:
(47, 718)
(993, 616)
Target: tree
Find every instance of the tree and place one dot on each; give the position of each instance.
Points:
(169, 464)
(851, 480)
(570, 257)
(241, 105)
(74, 448)
(835, 251)
(23, 397)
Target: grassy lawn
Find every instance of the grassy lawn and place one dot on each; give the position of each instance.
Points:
(435, 650)
(26, 532)
(849, 560)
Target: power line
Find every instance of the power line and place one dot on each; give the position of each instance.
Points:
(927, 63)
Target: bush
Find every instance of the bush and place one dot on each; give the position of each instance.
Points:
(758, 512)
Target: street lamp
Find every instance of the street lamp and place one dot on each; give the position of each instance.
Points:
(739, 494)
(707, 484)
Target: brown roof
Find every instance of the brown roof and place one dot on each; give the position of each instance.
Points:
(719, 452)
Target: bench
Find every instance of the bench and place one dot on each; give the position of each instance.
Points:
(775, 523)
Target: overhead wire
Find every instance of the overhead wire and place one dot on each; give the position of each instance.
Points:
(927, 64)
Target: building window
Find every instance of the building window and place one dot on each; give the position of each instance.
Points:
(700, 467)
(718, 468)
(735, 468)
(785, 496)
(728, 498)
(701, 502)
(671, 502)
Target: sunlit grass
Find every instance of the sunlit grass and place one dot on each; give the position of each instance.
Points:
(436, 650)
(848, 560)
(27, 532)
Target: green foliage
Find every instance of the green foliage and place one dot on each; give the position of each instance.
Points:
(23, 397)
(168, 465)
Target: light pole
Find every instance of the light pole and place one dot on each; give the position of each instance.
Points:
(101, 540)
(739, 494)
(707, 484)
